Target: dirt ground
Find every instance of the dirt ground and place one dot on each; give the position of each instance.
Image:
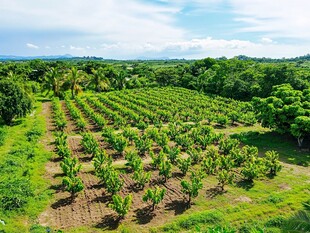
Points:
(90, 208)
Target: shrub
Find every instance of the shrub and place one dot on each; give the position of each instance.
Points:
(14, 193)
(121, 206)
(14, 101)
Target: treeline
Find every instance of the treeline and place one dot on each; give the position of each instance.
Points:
(299, 59)
(231, 78)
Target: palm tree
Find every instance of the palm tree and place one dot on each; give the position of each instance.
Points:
(99, 80)
(75, 77)
(53, 81)
(120, 80)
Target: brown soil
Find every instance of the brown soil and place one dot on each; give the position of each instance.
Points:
(90, 207)
(71, 126)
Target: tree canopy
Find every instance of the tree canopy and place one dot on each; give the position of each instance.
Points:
(287, 110)
(14, 101)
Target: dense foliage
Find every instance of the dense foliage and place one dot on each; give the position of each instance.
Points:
(14, 101)
(286, 110)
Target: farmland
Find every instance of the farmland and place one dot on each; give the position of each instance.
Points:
(152, 159)
(192, 138)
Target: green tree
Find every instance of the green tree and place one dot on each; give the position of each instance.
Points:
(70, 166)
(121, 206)
(272, 162)
(73, 185)
(54, 81)
(99, 80)
(75, 77)
(165, 168)
(286, 111)
(154, 195)
(225, 177)
(301, 128)
(191, 188)
(14, 101)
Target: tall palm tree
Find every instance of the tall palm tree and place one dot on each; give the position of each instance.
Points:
(53, 81)
(99, 80)
(120, 80)
(75, 77)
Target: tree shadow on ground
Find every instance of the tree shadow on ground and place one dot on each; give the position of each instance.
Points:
(56, 159)
(214, 192)
(62, 202)
(285, 144)
(57, 187)
(85, 159)
(156, 181)
(97, 186)
(57, 175)
(245, 184)
(103, 199)
(144, 215)
(108, 222)
(178, 206)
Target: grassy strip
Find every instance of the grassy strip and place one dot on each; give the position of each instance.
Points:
(24, 192)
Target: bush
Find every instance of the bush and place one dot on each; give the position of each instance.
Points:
(14, 193)
(34, 134)
(3, 133)
(14, 101)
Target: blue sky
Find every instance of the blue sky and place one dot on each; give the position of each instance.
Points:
(127, 29)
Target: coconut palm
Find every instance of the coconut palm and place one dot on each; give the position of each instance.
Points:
(75, 77)
(99, 80)
(53, 81)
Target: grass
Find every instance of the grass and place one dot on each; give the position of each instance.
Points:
(285, 145)
(22, 158)
(265, 206)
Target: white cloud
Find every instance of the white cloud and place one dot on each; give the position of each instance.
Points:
(32, 46)
(266, 40)
(76, 48)
(200, 48)
(277, 18)
(127, 29)
(110, 20)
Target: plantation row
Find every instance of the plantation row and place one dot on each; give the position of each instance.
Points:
(157, 106)
(178, 147)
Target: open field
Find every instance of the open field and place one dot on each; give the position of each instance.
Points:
(258, 204)
(173, 126)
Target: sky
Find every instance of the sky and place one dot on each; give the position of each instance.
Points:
(131, 29)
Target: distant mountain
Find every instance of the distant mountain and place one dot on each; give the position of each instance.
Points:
(21, 58)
